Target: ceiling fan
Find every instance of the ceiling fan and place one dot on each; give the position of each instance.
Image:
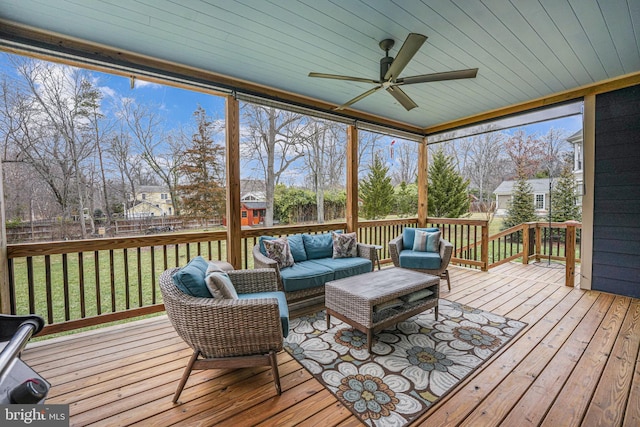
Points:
(391, 68)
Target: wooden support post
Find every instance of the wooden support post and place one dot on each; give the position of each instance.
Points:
(538, 241)
(484, 248)
(234, 228)
(423, 171)
(570, 253)
(352, 179)
(525, 243)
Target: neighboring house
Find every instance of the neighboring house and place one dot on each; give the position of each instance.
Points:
(151, 200)
(578, 173)
(253, 197)
(253, 205)
(540, 196)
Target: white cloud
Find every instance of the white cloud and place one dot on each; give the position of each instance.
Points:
(142, 83)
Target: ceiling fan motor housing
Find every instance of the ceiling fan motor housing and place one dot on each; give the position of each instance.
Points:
(385, 63)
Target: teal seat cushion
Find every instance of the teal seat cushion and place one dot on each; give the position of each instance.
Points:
(408, 234)
(190, 278)
(305, 275)
(345, 267)
(419, 260)
(318, 245)
(282, 306)
(296, 245)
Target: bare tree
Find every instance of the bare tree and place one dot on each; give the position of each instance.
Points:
(526, 152)
(274, 141)
(485, 163)
(163, 153)
(48, 128)
(369, 146)
(324, 155)
(405, 157)
(555, 145)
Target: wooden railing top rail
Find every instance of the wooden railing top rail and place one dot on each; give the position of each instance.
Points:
(506, 232)
(385, 222)
(291, 229)
(554, 224)
(88, 245)
(462, 221)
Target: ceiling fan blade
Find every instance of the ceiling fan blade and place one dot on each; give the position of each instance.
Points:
(409, 48)
(358, 98)
(402, 97)
(339, 77)
(436, 77)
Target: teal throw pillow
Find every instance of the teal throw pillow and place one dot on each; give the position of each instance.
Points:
(190, 278)
(424, 241)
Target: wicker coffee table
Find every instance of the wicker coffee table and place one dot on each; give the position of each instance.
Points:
(373, 301)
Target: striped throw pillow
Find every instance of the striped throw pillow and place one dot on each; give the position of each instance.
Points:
(426, 242)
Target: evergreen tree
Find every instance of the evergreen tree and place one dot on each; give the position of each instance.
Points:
(448, 195)
(521, 208)
(202, 193)
(563, 198)
(406, 200)
(376, 191)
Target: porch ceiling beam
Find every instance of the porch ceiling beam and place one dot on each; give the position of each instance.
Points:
(603, 86)
(51, 46)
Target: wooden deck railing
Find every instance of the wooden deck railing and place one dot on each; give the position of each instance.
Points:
(75, 284)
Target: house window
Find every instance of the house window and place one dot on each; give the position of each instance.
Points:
(144, 196)
(164, 196)
(256, 212)
(244, 214)
(539, 201)
(578, 158)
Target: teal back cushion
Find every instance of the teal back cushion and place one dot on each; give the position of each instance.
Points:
(318, 245)
(408, 234)
(296, 245)
(190, 278)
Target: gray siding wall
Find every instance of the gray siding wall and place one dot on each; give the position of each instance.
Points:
(616, 245)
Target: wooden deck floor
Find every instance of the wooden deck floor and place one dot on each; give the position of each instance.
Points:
(576, 363)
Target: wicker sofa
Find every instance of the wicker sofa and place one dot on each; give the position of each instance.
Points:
(314, 264)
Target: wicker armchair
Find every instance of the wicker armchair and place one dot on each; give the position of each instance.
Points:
(227, 333)
(445, 248)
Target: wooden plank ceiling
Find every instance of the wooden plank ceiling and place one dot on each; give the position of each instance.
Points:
(524, 49)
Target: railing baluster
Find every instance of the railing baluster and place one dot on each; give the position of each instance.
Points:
(83, 311)
(65, 284)
(139, 264)
(47, 284)
(153, 275)
(127, 298)
(96, 266)
(32, 297)
(112, 278)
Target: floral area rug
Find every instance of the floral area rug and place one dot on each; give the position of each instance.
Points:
(412, 365)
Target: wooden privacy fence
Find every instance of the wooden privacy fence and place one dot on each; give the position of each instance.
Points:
(80, 283)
